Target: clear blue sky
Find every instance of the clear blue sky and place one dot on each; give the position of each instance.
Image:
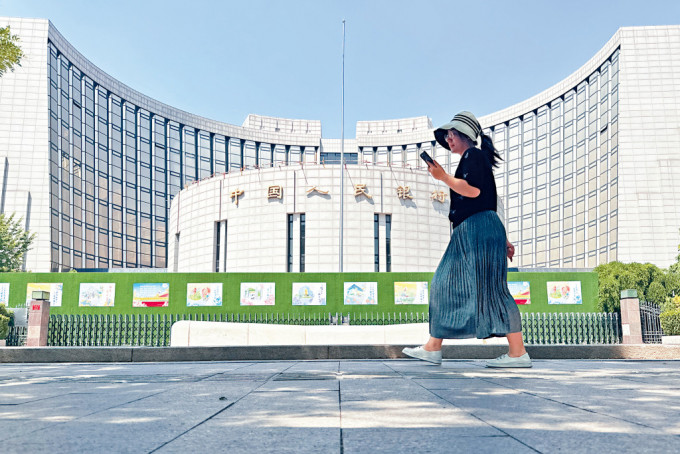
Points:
(226, 59)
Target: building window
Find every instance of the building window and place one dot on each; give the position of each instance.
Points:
(382, 223)
(289, 266)
(220, 252)
(334, 158)
(388, 238)
(217, 246)
(376, 241)
(302, 242)
(293, 220)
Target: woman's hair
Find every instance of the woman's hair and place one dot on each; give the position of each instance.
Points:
(490, 151)
(487, 146)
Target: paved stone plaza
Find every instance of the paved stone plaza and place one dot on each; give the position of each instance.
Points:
(397, 406)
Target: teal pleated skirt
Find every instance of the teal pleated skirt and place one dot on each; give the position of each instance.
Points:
(469, 295)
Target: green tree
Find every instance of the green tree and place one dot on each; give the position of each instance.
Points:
(6, 317)
(656, 293)
(609, 294)
(609, 276)
(672, 283)
(10, 53)
(616, 276)
(14, 243)
(675, 268)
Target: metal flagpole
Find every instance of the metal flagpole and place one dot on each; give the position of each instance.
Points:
(342, 149)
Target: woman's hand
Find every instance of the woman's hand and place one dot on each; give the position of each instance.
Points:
(437, 171)
(459, 185)
(510, 249)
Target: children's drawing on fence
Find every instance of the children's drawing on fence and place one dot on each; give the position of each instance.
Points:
(359, 293)
(520, 291)
(410, 293)
(258, 293)
(150, 294)
(564, 292)
(97, 295)
(309, 294)
(204, 294)
(4, 294)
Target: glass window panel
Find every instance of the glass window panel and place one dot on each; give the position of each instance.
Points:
(220, 154)
(514, 133)
(279, 154)
(159, 130)
(293, 155)
(235, 162)
(204, 155)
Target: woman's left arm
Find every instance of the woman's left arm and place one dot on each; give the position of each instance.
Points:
(459, 185)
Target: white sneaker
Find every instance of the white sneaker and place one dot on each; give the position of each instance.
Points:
(421, 353)
(509, 361)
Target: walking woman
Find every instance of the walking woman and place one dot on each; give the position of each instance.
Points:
(469, 296)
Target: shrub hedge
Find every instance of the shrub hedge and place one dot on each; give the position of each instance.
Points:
(5, 317)
(670, 322)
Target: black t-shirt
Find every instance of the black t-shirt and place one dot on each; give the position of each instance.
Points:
(475, 168)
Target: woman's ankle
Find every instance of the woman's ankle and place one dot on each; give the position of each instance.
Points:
(432, 347)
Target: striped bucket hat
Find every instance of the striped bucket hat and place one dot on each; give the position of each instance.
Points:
(463, 122)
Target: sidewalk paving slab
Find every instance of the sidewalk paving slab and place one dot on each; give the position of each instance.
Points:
(341, 406)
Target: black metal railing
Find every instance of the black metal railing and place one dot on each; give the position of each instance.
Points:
(17, 336)
(571, 328)
(650, 323)
(154, 330)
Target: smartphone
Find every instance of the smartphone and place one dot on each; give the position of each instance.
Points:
(427, 158)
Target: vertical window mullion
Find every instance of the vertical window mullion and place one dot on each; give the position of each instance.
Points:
(376, 241)
(289, 247)
(302, 242)
(224, 237)
(217, 246)
(388, 237)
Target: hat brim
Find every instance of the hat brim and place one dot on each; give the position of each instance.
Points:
(440, 134)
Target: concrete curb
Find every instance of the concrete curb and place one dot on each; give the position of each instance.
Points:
(312, 352)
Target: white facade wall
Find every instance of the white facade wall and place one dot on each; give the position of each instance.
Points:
(649, 167)
(24, 140)
(257, 237)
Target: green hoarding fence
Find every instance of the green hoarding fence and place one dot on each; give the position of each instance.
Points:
(123, 324)
(154, 330)
(124, 282)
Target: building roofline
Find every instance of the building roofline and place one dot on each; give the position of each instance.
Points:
(167, 111)
(313, 139)
(557, 89)
(571, 81)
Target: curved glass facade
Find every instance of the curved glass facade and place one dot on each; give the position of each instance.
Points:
(559, 176)
(92, 165)
(112, 166)
(115, 167)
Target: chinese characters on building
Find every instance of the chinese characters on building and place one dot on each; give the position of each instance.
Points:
(314, 188)
(404, 192)
(439, 196)
(360, 189)
(275, 192)
(236, 194)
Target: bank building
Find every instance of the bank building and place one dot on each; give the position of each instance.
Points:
(109, 178)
